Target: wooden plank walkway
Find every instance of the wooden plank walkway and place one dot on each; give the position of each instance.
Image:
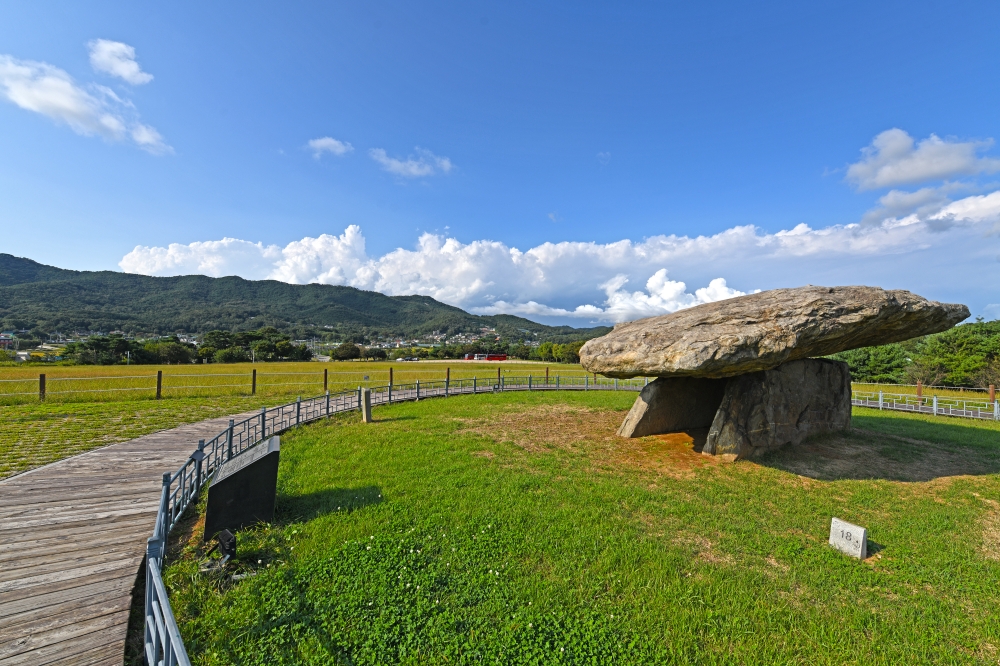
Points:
(72, 538)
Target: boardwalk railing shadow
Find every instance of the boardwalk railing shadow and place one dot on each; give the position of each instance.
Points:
(301, 508)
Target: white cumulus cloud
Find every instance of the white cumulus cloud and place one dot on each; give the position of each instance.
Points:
(423, 163)
(327, 144)
(51, 92)
(587, 281)
(117, 59)
(894, 158)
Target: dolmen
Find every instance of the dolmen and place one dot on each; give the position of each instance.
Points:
(745, 368)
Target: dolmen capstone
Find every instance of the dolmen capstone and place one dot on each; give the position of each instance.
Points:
(744, 368)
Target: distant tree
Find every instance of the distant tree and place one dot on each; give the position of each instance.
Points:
(346, 351)
(568, 353)
(232, 355)
(957, 356)
(174, 352)
(375, 354)
(520, 351)
(217, 339)
(207, 354)
(264, 350)
(300, 353)
(885, 364)
(544, 352)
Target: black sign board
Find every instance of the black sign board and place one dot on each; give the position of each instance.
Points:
(244, 489)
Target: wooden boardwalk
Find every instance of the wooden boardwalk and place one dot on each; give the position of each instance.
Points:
(72, 538)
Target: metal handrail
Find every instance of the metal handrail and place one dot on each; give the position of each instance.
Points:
(933, 404)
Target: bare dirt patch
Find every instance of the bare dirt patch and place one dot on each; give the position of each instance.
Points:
(702, 548)
(990, 526)
(537, 429)
(861, 454)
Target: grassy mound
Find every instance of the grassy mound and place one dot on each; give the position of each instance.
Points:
(516, 528)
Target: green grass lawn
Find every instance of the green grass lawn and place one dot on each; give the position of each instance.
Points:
(36, 434)
(516, 528)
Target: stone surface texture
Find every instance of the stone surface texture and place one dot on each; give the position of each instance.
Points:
(763, 411)
(673, 404)
(761, 331)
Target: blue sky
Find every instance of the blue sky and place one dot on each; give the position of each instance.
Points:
(577, 163)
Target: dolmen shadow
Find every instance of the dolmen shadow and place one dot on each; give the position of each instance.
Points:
(859, 454)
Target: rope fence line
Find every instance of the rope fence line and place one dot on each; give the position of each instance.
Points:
(160, 385)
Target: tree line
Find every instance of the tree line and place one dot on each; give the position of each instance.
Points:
(547, 351)
(965, 356)
(263, 345)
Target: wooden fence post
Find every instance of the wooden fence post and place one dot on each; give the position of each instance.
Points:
(41, 387)
(324, 379)
(546, 376)
(390, 376)
(920, 389)
(253, 382)
(159, 384)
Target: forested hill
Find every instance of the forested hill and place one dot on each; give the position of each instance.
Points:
(48, 299)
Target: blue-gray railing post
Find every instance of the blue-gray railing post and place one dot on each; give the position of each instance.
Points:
(502, 384)
(418, 389)
(359, 399)
(473, 385)
(616, 383)
(935, 405)
(263, 422)
(390, 394)
(557, 382)
(328, 403)
(880, 399)
(229, 439)
(529, 382)
(298, 409)
(198, 457)
(447, 386)
(647, 382)
(996, 410)
(150, 635)
(586, 382)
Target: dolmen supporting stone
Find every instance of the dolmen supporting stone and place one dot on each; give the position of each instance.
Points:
(742, 367)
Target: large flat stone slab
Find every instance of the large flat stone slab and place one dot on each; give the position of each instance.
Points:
(764, 411)
(761, 331)
(673, 404)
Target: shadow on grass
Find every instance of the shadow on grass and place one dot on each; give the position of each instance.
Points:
(861, 454)
(300, 508)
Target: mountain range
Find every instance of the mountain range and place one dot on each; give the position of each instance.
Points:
(46, 299)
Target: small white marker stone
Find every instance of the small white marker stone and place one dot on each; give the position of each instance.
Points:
(849, 539)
